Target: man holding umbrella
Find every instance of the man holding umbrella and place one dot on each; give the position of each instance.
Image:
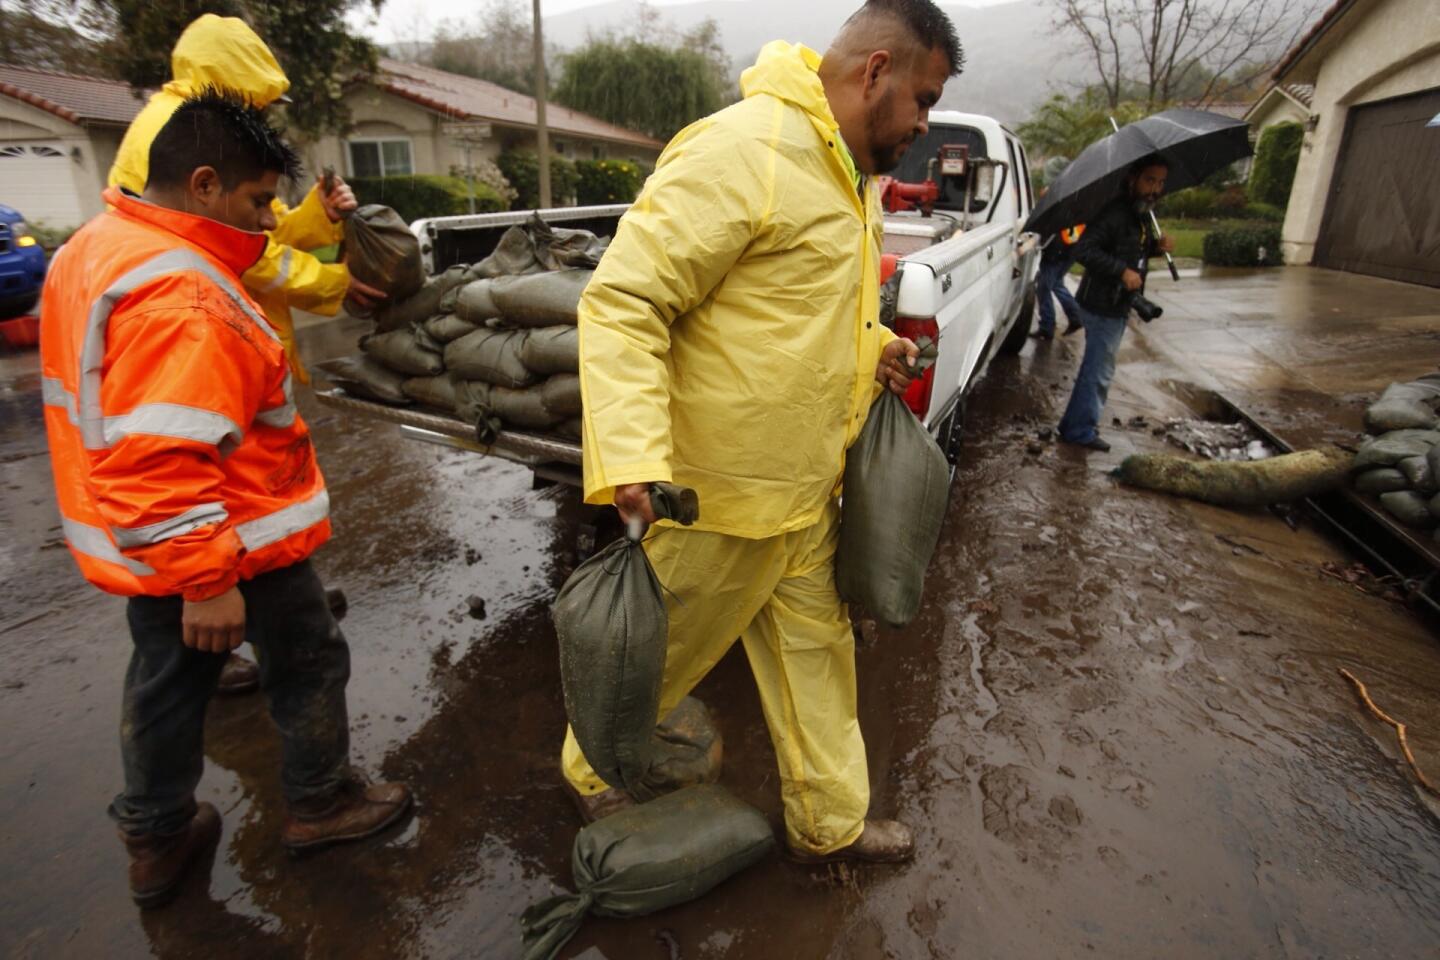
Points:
(1115, 251)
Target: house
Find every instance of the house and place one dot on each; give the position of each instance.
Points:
(58, 136)
(412, 119)
(1282, 103)
(1366, 196)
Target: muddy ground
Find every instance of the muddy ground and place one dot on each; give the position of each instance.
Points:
(1117, 726)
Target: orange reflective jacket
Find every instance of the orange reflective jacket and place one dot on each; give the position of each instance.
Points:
(181, 464)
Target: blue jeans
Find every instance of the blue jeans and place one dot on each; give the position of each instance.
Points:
(304, 665)
(1051, 280)
(1092, 384)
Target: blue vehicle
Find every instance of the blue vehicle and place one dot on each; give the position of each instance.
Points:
(22, 265)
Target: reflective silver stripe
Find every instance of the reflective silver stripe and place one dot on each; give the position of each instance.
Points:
(193, 519)
(174, 420)
(94, 542)
(54, 394)
(284, 273)
(283, 415)
(277, 526)
(91, 419)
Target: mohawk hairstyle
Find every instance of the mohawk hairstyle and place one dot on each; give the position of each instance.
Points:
(219, 128)
(924, 21)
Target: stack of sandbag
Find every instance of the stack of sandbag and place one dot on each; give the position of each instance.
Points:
(1400, 464)
(494, 343)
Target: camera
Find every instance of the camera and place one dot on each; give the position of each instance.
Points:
(1145, 309)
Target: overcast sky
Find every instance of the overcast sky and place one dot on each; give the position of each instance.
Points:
(417, 19)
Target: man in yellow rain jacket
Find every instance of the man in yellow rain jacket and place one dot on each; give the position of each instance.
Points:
(224, 52)
(731, 342)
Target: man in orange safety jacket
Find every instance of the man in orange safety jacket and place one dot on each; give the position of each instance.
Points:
(187, 482)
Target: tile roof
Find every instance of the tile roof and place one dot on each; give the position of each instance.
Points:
(1304, 93)
(468, 98)
(77, 99)
(1311, 37)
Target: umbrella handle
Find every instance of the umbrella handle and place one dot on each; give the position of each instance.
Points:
(1155, 222)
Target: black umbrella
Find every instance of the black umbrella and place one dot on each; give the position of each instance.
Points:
(1195, 143)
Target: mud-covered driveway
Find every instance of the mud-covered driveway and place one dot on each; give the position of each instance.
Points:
(1117, 725)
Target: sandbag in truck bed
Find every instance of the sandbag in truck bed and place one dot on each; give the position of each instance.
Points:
(613, 629)
(380, 250)
(649, 857)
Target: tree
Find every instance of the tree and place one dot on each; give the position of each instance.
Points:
(308, 37)
(1276, 157)
(1064, 125)
(52, 35)
(1205, 48)
(653, 80)
(496, 45)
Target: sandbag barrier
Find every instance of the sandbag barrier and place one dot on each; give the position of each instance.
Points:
(1400, 464)
(495, 343)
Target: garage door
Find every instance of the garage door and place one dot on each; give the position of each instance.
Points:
(37, 180)
(1383, 216)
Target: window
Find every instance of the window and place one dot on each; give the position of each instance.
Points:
(595, 153)
(34, 150)
(380, 158)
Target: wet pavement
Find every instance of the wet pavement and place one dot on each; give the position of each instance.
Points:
(1117, 725)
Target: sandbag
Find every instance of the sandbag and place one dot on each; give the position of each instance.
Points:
(1417, 474)
(1381, 480)
(395, 315)
(571, 429)
(1409, 507)
(563, 248)
(525, 409)
(1397, 445)
(1246, 483)
(561, 395)
(474, 302)
(366, 378)
(542, 300)
(612, 628)
(647, 858)
(686, 748)
(1432, 457)
(380, 250)
(437, 392)
(410, 351)
(550, 350)
(896, 488)
(513, 255)
(446, 327)
(492, 356)
(1406, 406)
(1435, 507)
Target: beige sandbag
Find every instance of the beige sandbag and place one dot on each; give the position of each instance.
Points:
(550, 350)
(475, 304)
(446, 328)
(561, 395)
(541, 300)
(492, 356)
(409, 351)
(437, 392)
(1246, 483)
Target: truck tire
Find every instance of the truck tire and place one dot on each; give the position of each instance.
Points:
(1014, 341)
(18, 307)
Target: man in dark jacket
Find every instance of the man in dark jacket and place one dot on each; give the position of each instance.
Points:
(1055, 262)
(1115, 252)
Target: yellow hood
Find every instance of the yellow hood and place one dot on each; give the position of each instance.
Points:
(789, 71)
(224, 52)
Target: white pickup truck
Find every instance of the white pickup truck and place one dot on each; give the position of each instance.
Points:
(959, 271)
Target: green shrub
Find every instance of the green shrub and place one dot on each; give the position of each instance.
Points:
(522, 169)
(606, 181)
(1264, 212)
(1276, 156)
(1197, 203)
(415, 197)
(1249, 246)
(1231, 202)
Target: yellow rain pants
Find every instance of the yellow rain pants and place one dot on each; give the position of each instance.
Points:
(778, 596)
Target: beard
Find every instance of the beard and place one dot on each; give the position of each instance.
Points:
(1145, 204)
(886, 149)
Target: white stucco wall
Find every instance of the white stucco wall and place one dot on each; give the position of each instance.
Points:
(1379, 50)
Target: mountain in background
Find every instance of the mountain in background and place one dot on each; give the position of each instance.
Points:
(1014, 57)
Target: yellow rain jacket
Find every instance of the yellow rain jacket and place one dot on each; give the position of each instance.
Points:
(224, 52)
(730, 336)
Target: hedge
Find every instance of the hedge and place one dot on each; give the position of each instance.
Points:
(1267, 212)
(1255, 246)
(418, 196)
(1197, 203)
(1276, 156)
(522, 169)
(607, 181)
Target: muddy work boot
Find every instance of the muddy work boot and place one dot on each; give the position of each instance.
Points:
(881, 841)
(597, 806)
(238, 676)
(355, 811)
(158, 863)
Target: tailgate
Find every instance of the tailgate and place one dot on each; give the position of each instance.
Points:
(552, 458)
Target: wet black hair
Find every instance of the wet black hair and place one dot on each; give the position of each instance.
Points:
(220, 129)
(1145, 163)
(925, 22)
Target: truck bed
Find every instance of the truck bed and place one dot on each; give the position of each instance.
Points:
(551, 458)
